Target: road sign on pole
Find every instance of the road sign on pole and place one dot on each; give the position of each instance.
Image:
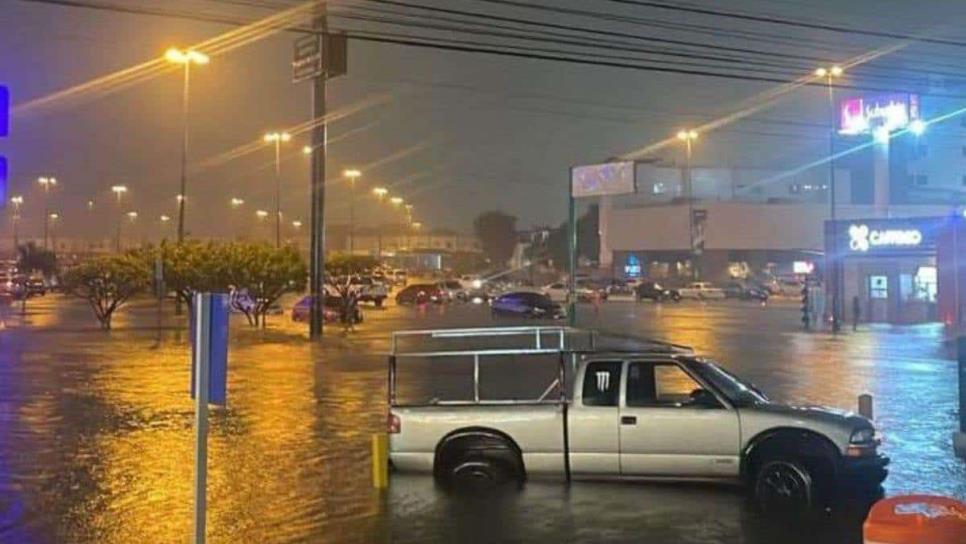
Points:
(209, 365)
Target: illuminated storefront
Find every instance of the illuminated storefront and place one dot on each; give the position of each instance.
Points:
(895, 270)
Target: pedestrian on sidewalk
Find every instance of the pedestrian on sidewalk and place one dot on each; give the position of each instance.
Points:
(856, 313)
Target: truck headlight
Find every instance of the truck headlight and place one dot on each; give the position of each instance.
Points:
(862, 443)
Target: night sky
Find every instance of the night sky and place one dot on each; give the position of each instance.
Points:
(455, 133)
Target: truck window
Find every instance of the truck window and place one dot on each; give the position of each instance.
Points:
(658, 384)
(602, 383)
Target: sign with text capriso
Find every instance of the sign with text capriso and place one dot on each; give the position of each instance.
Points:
(611, 178)
(866, 114)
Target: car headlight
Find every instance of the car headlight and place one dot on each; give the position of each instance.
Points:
(477, 284)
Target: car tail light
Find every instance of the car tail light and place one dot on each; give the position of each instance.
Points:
(393, 424)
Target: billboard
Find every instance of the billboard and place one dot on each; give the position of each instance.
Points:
(866, 114)
(611, 178)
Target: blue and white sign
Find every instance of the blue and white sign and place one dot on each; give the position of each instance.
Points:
(882, 236)
(215, 346)
(862, 238)
(4, 111)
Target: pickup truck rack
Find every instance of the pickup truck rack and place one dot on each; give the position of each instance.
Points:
(568, 343)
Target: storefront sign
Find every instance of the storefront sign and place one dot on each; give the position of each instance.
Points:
(803, 267)
(866, 114)
(862, 238)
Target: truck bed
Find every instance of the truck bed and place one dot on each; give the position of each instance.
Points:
(537, 428)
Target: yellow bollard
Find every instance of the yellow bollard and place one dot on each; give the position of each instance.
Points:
(380, 460)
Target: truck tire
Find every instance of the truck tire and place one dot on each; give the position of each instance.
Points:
(784, 486)
(479, 473)
(478, 460)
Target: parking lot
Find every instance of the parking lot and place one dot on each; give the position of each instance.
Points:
(96, 443)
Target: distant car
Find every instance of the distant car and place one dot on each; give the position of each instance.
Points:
(35, 287)
(744, 291)
(649, 290)
(701, 290)
(370, 290)
(560, 292)
(527, 304)
(452, 290)
(420, 293)
(331, 311)
(400, 277)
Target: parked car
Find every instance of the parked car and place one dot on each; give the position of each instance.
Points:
(35, 287)
(331, 310)
(471, 283)
(560, 292)
(745, 291)
(526, 304)
(400, 277)
(656, 292)
(646, 412)
(369, 290)
(420, 293)
(452, 290)
(701, 290)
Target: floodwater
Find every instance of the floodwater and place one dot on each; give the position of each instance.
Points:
(96, 441)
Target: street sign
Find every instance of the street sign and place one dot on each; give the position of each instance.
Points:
(4, 111)
(213, 348)
(611, 178)
(314, 57)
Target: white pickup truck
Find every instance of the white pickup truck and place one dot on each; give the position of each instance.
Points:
(701, 290)
(645, 410)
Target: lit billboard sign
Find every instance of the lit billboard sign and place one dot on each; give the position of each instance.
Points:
(612, 178)
(862, 238)
(867, 114)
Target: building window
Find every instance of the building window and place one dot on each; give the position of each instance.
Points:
(878, 287)
(794, 189)
(922, 151)
(922, 179)
(659, 188)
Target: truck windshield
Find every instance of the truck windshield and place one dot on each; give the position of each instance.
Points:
(736, 391)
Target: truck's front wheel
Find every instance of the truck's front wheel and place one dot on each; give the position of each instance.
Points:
(784, 486)
(479, 473)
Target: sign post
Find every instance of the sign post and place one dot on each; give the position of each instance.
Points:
(4, 132)
(959, 437)
(209, 365)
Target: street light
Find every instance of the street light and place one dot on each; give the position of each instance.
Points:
(277, 138)
(831, 262)
(132, 216)
(380, 192)
(17, 201)
(396, 201)
(47, 183)
(352, 174)
(306, 150)
(688, 136)
(53, 217)
(185, 57)
(119, 191)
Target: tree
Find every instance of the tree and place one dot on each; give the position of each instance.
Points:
(191, 267)
(265, 272)
(339, 269)
(557, 249)
(108, 282)
(497, 232)
(36, 259)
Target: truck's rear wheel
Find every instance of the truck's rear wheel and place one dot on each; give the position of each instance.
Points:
(783, 485)
(479, 473)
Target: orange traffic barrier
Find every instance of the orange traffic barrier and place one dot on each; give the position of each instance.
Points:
(916, 519)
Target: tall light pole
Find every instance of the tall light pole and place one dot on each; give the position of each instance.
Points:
(352, 175)
(380, 193)
(47, 183)
(17, 201)
(53, 217)
(185, 57)
(261, 215)
(132, 216)
(297, 226)
(235, 204)
(688, 136)
(832, 261)
(119, 191)
(277, 138)
(163, 221)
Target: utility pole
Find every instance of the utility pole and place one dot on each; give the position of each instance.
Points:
(317, 221)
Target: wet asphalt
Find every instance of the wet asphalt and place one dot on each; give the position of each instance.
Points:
(96, 440)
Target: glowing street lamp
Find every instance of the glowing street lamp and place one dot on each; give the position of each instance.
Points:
(277, 138)
(352, 174)
(380, 192)
(688, 136)
(119, 191)
(832, 266)
(132, 216)
(236, 202)
(47, 183)
(917, 127)
(185, 57)
(53, 217)
(306, 150)
(297, 224)
(261, 214)
(396, 201)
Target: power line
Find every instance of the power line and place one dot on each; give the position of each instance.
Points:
(789, 22)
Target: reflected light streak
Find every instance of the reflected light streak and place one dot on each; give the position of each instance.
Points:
(763, 100)
(122, 79)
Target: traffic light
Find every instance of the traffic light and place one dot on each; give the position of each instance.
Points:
(806, 317)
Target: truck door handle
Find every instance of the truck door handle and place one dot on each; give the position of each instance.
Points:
(628, 420)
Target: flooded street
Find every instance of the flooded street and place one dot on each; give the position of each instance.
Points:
(96, 440)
